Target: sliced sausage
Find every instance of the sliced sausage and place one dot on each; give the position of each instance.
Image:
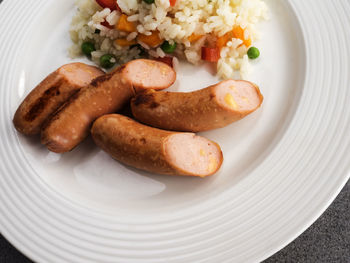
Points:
(147, 74)
(106, 94)
(156, 150)
(50, 94)
(202, 110)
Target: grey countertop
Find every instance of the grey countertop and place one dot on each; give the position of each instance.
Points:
(327, 240)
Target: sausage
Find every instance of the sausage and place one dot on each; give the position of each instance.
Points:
(145, 74)
(155, 150)
(106, 94)
(50, 94)
(202, 110)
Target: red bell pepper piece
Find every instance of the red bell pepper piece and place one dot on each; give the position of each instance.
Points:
(111, 4)
(106, 24)
(211, 54)
(172, 2)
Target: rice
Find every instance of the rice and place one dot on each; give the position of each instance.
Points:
(192, 25)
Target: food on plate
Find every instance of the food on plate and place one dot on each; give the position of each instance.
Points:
(148, 74)
(202, 110)
(253, 53)
(87, 48)
(216, 31)
(106, 94)
(50, 94)
(107, 61)
(156, 150)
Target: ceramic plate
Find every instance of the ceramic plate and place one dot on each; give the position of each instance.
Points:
(283, 165)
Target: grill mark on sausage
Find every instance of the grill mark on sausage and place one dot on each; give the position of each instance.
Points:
(154, 105)
(41, 103)
(143, 98)
(101, 79)
(93, 85)
(119, 69)
(54, 115)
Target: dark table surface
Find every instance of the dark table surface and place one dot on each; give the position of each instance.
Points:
(327, 240)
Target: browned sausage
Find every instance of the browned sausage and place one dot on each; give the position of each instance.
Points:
(202, 110)
(50, 94)
(156, 150)
(106, 94)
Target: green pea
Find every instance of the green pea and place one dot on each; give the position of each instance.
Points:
(149, 1)
(107, 61)
(253, 53)
(167, 47)
(87, 48)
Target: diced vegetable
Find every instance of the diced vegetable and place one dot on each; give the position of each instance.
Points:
(172, 2)
(152, 40)
(106, 24)
(253, 53)
(222, 41)
(167, 47)
(211, 54)
(149, 1)
(111, 4)
(107, 61)
(87, 48)
(166, 60)
(125, 43)
(124, 25)
(193, 38)
(247, 42)
(238, 32)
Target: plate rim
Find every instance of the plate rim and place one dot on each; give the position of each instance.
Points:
(312, 219)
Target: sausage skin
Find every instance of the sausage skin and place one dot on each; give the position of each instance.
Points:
(106, 94)
(202, 110)
(50, 94)
(156, 150)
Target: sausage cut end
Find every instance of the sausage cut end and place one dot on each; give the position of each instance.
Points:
(79, 74)
(241, 96)
(149, 74)
(192, 154)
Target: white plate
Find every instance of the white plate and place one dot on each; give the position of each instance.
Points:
(283, 165)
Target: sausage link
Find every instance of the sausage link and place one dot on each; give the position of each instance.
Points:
(50, 94)
(156, 150)
(202, 110)
(106, 94)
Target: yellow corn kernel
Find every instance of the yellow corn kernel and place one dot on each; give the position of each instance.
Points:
(202, 152)
(212, 164)
(231, 101)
